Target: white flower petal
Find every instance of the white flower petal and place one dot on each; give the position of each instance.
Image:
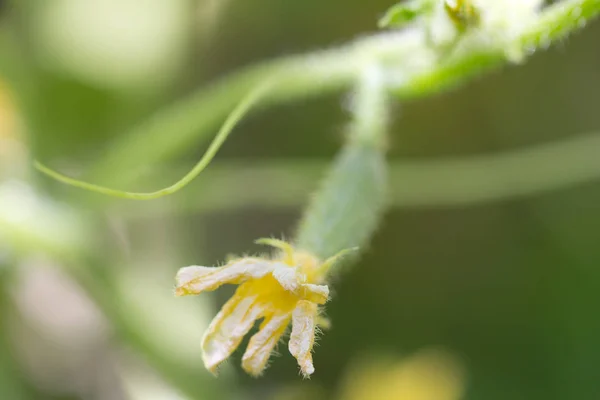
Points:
(288, 277)
(262, 343)
(303, 335)
(318, 294)
(228, 328)
(292, 281)
(196, 279)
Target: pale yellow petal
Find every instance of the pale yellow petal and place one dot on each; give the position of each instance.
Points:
(302, 338)
(318, 294)
(290, 279)
(287, 277)
(228, 328)
(196, 279)
(262, 343)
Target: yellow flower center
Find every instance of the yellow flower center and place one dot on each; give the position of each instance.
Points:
(270, 293)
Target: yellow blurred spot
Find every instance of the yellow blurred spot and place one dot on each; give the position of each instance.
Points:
(426, 375)
(12, 151)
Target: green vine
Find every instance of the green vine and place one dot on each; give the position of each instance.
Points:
(404, 64)
(298, 77)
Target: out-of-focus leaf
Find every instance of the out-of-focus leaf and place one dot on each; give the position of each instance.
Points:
(404, 13)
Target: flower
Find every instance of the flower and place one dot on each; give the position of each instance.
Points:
(287, 288)
(484, 24)
(508, 16)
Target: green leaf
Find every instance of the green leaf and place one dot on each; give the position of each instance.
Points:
(403, 13)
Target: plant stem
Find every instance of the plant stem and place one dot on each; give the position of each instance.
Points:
(553, 24)
(174, 130)
(346, 211)
(559, 21)
(445, 182)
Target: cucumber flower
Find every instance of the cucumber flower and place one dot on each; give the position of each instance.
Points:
(287, 288)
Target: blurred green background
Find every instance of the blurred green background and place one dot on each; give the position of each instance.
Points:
(510, 287)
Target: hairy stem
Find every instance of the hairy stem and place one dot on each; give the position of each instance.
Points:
(174, 130)
(345, 212)
(553, 24)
